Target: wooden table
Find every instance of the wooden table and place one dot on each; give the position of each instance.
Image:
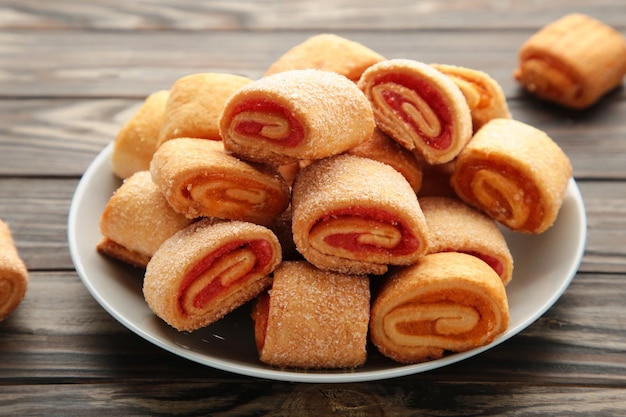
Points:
(72, 72)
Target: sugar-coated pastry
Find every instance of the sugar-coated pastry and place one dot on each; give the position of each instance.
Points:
(136, 220)
(200, 179)
(296, 115)
(312, 318)
(446, 302)
(455, 227)
(573, 61)
(207, 270)
(328, 52)
(137, 140)
(515, 173)
(419, 107)
(381, 147)
(483, 94)
(356, 215)
(195, 103)
(13, 273)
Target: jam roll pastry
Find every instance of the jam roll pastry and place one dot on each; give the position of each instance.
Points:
(447, 301)
(137, 140)
(200, 179)
(195, 104)
(455, 227)
(573, 61)
(136, 220)
(296, 115)
(312, 318)
(356, 215)
(328, 52)
(419, 107)
(13, 273)
(207, 270)
(483, 94)
(515, 173)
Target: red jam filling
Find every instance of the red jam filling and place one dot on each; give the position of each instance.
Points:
(408, 244)
(431, 96)
(254, 128)
(263, 254)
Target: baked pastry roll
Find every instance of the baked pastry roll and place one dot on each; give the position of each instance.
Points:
(456, 227)
(483, 94)
(312, 318)
(328, 52)
(195, 103)
(292, 115)
(380, 147)
(137, 140)
(13, 273)
(447, 302)
(199, 179)
(356, 215)
(573, 61)
(419, 107)
(515, 173)
(136, 220)
(207, 270)
(436, 180)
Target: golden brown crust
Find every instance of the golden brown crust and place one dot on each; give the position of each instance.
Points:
(515, 173)
(419, 107)
(296, 112)
(137, 220)
(382, 148)
(446, 302)
(316, 319)
(327, 52)
(199, 179)
(348, 195)
(137, 140)
(204, 256)
(483, 94)
(195, 104)
(455, 227)
(13, 273)
(573, 61)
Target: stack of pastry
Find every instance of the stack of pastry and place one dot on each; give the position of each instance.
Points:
(300, 187)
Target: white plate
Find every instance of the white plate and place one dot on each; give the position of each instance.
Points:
(544, 267)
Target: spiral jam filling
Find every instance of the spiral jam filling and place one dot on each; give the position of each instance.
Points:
(418, 105)
(221, 270)
(357, 233)
(266, 121)
(502, 192)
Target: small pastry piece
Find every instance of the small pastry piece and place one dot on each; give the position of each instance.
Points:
(515, 173)
(199, 179)
(436, 179)
(328, 52)
(137, 140)
(312, 318)
(13, 273)
(447, 301)
(573, 61)
(207, 270)
(381, 147)
(297, 114)
(137, 220)
(195, 104)
(356, 215)
(419, 107)
(483, 94)
(456, 227)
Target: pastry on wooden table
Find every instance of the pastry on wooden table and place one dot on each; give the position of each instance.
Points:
(13, 273)
(207, 270)
(446, 302)
(312, 318)
(515, 173)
